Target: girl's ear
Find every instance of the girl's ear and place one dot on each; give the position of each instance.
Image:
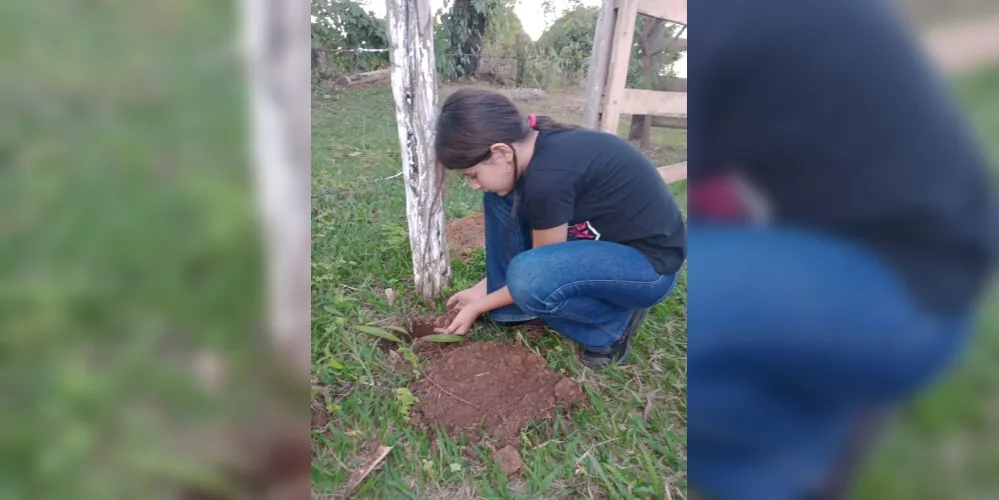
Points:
(500, 150)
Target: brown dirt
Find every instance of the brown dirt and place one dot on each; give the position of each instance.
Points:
(320, 415)
(466, 234)
(419, 326)
(502, 386)
(424, 326)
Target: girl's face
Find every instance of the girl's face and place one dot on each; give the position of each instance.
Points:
(494, 175)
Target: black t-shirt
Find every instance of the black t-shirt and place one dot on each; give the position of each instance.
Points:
(605, 189)
(830, 109)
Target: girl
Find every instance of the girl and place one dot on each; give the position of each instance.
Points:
(581, 232)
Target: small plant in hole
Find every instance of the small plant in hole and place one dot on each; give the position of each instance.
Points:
(378, 332)
(406, 401)
(443, 337)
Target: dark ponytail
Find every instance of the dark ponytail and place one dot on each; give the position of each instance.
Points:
(542, 122)
(472, 120)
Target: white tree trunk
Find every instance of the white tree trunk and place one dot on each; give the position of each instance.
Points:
(414, 85)
(277, 45)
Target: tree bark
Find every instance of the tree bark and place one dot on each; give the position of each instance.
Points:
(275, 46)
(414, 86)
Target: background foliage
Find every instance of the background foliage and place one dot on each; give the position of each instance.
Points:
(481, 39)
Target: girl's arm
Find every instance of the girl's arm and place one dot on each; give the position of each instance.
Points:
(543, 237)
(501, 297)
(494, 300)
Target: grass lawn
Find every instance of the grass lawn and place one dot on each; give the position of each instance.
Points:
(361, 249)
(943, 445)
(946, 444)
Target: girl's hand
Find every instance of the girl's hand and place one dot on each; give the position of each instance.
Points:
(462, 323)
(466, 297)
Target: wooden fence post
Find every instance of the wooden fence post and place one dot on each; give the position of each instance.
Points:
(624, 30)
(550, 72)
(521, 52)
(596, 77)
(414, 85)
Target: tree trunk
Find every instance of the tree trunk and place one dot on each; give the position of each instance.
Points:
(275, 49)
(467, 52)
(414, 86)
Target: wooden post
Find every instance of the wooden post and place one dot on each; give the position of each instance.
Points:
(596, 77)
(521, 51)
(274, 45)
(550, 73)
(414, 85)
(624, 30)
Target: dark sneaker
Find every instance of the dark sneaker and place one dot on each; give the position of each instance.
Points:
(618, 352)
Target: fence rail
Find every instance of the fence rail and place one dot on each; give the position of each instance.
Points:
(337, 67)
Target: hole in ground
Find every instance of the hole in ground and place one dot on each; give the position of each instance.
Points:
(420, 325)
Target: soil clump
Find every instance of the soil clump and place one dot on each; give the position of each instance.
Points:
(466, 235)
(490, 389)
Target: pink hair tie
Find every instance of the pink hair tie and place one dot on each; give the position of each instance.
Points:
(532, 121)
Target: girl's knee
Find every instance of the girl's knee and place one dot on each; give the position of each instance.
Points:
(525, 279)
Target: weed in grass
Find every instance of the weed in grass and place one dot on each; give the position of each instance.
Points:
(406, 401)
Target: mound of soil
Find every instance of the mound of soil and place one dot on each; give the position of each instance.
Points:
(502, 386)
(466, 234)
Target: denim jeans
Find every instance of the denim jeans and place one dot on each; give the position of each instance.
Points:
(585, 290)
(792, 336)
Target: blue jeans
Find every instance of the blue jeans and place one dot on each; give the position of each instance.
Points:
(584, 290)
(792, 336)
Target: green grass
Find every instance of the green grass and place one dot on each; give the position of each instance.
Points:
(361, 248)
(128, 244)
(946, 443)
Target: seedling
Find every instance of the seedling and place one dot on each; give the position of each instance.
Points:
(378, 332)
(442, 337)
